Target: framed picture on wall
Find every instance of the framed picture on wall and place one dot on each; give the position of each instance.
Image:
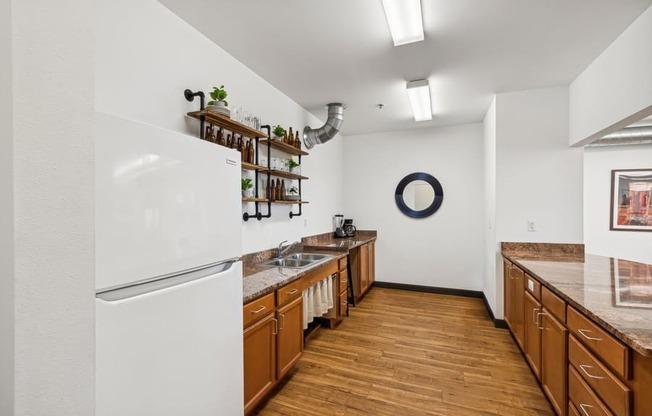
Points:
(631, 200)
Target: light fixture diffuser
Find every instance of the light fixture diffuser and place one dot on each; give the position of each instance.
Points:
(405, 20)
(419, 96)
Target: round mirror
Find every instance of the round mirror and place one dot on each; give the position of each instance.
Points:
(419, 195)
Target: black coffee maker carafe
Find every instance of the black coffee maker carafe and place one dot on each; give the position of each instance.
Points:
(349, 228)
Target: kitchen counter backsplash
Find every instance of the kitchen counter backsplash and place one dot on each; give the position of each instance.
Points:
(559, 251)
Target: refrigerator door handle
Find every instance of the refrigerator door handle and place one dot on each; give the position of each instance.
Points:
(139, 289)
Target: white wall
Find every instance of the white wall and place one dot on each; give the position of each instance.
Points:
(53, 196)
(616, 89)
(598, 163)
(6, 217)
(489, 153)
(443, 250)
(538, 177)
(142, 70)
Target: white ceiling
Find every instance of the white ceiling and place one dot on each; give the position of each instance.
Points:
(319, 52)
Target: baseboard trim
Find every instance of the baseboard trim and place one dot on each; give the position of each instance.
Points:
(431, 289)
(498, 323)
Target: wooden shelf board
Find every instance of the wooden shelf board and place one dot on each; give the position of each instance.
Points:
(288, 175)
(291, 150)
(290, 202)
(254, 200)
(251, 166)
(228, 124)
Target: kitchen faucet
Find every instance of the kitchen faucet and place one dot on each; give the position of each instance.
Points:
(283, 250)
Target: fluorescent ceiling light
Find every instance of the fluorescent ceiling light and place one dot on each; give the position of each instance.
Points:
(405, 20)
(419, 96)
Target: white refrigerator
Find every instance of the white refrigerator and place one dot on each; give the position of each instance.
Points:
(168, 273)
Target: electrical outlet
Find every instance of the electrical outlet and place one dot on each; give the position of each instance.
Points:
(531, 225)
(305, 223)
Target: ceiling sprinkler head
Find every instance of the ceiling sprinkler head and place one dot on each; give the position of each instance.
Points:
(380, 106)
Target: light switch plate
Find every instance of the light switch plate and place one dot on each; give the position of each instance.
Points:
(530, 285)
(531, 225)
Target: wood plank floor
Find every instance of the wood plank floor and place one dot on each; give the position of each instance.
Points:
(410, 353)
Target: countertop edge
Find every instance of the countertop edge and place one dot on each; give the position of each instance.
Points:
(632, 343)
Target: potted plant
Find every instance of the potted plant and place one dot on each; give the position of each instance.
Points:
(218, 101)
(247, 188)
(294, 166)
(279, 131)
(292, 194)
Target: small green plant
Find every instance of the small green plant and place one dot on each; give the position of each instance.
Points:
(218, 94)
(292, 164)
(293, 191)
(279, 131)
(247, 184)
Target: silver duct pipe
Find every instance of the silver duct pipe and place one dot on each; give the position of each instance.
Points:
(628, 135)
(311, 137)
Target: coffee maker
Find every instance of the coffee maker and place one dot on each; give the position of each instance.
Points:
(338, 226)
(349, 228)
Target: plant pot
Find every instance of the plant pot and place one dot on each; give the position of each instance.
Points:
(296, 171)
(248, 193)
(292, 198)
(219, 107)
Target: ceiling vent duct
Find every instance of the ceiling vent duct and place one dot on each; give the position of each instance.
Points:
(311, 137)
(629, 135)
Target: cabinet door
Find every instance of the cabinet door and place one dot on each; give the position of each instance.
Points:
(532, 333)
(259, 360)
(508, 289)
(372, 262)
(364, 268)
(518, 295)
(290, 336)
(554, 359)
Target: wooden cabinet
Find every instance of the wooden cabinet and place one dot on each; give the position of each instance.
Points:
(372, 262)
(259, 360)
(363, 268)
(554, 361)
(514, 296)
(533, 333)
(273, 340)
(289, 341)
(508, 291)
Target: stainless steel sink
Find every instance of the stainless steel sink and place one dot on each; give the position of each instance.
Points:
(306, 256)
(298, 260)
(291, 263)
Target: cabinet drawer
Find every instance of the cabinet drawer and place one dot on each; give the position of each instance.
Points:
(257, 309)
(572, 410)
(533, 286)
(342, 263)
(611, 390)
(611, 351)
(344, 280)
(289, 292)
(554, 304)
(582, 396)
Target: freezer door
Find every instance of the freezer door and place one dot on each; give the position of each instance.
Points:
(164, 202)
(176, 350)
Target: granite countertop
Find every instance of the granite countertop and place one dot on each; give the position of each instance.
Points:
(329, 242)
(615, 293)
(261, 279)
